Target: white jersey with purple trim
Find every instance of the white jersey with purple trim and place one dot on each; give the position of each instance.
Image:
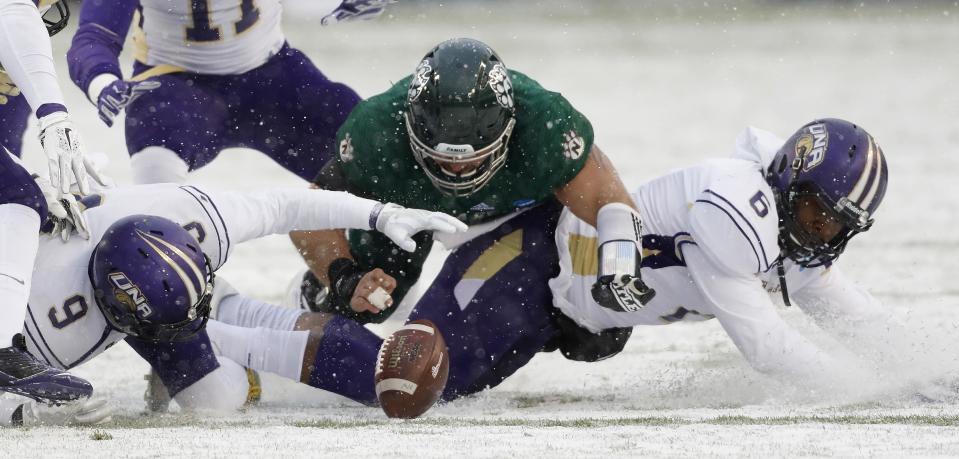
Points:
(710, 236)
(215, 37)
(64, 326)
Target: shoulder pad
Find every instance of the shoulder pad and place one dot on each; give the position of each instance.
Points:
(734, 220)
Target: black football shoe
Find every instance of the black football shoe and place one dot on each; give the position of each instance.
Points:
(22, 374)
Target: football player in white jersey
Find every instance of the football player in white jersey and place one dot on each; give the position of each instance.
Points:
(210, 75)
(724, 235)
(27, 65)
(719, 240)
(147, 276)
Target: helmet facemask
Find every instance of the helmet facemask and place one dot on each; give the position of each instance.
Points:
(808, 249)
(55, 17)
(436, 160)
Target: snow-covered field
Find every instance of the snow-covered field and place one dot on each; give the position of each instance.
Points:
(665, 84)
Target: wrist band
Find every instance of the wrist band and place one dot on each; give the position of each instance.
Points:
(374, 216)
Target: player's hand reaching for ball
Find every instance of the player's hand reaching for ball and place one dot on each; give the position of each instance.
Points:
(400, 224)
(372, 292)
(364, 291)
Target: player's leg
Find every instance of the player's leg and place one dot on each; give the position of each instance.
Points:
(230, 386)
(176, 128)
(295, 116)
(14, 115)
(22, 208)
(492, 302)
(325, 351)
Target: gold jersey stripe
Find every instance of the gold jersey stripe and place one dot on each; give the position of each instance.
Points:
(582, 252)
(162, 69)
(496, 257)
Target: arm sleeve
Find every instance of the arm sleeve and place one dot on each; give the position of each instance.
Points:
(748, 316)
(26, 55)
(99, 39)
(242, 216)
(838, 305)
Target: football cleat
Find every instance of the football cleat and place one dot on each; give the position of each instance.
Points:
(156, 395)
(22, 374)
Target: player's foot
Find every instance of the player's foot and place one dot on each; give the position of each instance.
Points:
(21, 373)
(156, 396)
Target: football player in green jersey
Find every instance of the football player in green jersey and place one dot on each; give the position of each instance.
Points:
(465, 136)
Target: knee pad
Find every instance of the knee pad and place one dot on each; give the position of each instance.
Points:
(158, 165)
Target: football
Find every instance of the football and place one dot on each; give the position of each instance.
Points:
(411, 370)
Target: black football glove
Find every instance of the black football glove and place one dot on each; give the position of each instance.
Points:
(618, 284)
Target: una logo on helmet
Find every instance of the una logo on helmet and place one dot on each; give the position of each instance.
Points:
(811, 146)
(129, 294)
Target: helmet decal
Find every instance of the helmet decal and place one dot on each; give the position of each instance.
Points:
(501, 86)
(864, 191)
(129, 294)
(177, 265)
(420, 78)
(346, 148)
(811, 146)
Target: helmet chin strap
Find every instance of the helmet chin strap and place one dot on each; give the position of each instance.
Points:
(781, 271)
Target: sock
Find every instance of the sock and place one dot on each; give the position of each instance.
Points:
(346, 360)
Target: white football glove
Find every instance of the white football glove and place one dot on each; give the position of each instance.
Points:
(64, 211)
(352, 10)
(65, 154)
(83, 412)
(400, 224)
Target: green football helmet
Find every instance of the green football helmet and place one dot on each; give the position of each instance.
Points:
(460, 115)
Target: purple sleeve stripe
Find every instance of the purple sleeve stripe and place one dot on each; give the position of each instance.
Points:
(746, 221)
(202, 199)
(47, 109)
(740, 228)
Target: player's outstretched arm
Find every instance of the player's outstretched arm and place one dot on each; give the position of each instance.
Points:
(597, 196)
(93, 58)
(353, 286)
(26, 56)
(249, 215)
(839, 306)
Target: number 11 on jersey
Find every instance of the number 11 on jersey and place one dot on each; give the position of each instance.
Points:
(203, 30)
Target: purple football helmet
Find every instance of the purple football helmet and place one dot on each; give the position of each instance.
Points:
(840, 165)
(151, 280)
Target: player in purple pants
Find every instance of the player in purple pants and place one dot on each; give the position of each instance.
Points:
(210, 75)
(14, 114)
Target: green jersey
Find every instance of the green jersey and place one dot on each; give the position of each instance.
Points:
(549, 146)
